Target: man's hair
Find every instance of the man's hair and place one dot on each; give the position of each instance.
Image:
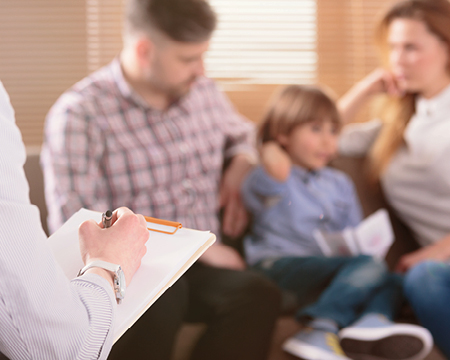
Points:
(180, 20)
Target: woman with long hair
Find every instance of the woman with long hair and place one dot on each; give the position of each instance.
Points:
(409, 146)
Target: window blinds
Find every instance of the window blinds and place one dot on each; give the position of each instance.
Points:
(264, 41)
(104, 31)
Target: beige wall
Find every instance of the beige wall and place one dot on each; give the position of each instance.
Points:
(43, 52)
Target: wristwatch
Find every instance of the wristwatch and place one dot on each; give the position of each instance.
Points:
(119, 277)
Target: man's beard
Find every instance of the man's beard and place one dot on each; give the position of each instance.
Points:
(182, 89)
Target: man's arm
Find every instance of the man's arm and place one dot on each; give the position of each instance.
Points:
(42, 314)
(277, 164)
(241, 154)
(235, 217)
(71, 160)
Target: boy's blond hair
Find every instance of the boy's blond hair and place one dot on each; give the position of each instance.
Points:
(295, 105)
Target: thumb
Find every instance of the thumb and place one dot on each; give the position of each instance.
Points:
(88, 227)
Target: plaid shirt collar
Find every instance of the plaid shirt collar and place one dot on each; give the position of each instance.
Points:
(183, 104)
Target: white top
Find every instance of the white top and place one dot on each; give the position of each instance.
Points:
(417, 180)
(42, 314)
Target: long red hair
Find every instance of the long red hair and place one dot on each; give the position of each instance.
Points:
(396, 112)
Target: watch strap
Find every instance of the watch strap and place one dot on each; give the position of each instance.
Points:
(100, 264)
(119, 278)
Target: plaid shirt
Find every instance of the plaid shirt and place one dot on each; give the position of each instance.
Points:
(105, 147)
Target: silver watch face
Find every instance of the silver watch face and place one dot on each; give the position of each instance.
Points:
(120, 284)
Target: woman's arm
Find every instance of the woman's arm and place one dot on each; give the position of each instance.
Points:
(377, 82)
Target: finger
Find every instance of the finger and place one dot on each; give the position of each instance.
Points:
(241, 220)
(118, 213)
(411, 261)
(399, 268)
(229, 216)
(388, 82)
(243, 265)
(122, 215)
(88, 227)
(143, 223)
(223, 196)
(403, 267)
(239, 263)
(115, 215)
(402, 263)
(143, 251)
(392, 87)
(145, 236)
(226, 220)
(393, 90)
(142, 220)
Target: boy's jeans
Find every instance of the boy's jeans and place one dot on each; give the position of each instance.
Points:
(337, 288)
(427, 287)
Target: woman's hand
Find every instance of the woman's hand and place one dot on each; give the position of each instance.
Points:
(439, 251)
(378, 81)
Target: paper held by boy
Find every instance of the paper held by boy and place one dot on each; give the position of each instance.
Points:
(373, 236)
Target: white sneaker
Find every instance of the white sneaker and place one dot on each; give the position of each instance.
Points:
(374, 337)
(312, 344)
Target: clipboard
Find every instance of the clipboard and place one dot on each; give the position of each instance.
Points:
(170, 253)
(162, 226)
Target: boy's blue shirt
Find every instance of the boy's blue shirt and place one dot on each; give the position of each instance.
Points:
(286, 213)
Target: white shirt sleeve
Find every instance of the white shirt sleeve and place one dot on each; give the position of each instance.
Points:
(356, 139)
(42, 314)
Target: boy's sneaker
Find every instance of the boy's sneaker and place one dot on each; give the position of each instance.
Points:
(374, 337)
(312, 344)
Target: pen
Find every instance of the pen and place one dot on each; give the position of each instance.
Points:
(107, 218)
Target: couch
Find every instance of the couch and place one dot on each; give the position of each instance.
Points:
(371, 199)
